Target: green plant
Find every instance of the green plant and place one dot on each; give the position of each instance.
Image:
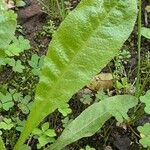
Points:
(25, 104)
(145, 130)
(138, 82)
(88, 148)
(6, 101)
(55, 8)
(86, 99)
(36, 63)
(145, 135)
(2, 145)
(44, 135)
(96, 115)
(145, 32)
(8, 26)
(145, 99)
(121, 59)
(9, 44)
(19, 124)
(48, 29)
(6, 124)
(19, 3)
(99, 33)
(123, 84)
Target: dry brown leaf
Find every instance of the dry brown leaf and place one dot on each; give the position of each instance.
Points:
(102, 81)
(10, 4)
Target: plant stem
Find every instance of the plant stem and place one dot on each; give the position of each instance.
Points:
(139, 50)
(63, 9)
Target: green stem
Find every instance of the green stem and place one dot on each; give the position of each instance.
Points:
(139, 50)
(63, 9)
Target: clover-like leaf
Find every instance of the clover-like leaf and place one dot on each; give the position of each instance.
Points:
(146, 99)
(145, 134)
(6, 124)
(50, 133)
(43, 140)
(45, 126)
(6, 101)
(37, 131)
(18, 67)
(18, 46)
(8, 25)
(86, 99)
(25, 104)
(65, 110)
(36, 63)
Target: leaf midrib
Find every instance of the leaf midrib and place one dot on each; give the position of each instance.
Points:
(76, 55)
(74, 133)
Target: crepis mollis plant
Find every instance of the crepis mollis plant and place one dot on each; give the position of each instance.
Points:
(89, 37)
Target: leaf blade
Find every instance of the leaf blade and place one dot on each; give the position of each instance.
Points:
(68, 66)
(93, 118)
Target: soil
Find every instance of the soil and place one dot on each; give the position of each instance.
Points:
(112, 136)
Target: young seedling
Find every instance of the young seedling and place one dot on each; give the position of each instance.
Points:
(44, 135)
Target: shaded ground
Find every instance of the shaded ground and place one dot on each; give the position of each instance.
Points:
(111, 137)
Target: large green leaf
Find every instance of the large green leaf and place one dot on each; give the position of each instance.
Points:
(86, 41)
(8, 25)
(92, 119)
(2, 145)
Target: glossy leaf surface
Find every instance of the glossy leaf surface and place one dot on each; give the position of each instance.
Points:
(86, 41)
(92, 119)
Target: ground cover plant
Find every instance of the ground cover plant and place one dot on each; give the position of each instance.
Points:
(93, 78)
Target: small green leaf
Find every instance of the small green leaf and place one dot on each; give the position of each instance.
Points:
(45, 126)
(6, 124)
(3, 125)
(17, 97)
(37, 131)
(18, 67)
(145, 32)
(43, 140)
(8, 105)
(6, 101)
(24, 108)
(50, 133)
(8, 25)
(18, 46)
(36, 63)
(65, 111)
(89, 148)
(101, 96)
(86, 99)
(146, 99)
(20, 3)
(145, 134)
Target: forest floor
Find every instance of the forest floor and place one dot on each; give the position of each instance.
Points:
(35, 26)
